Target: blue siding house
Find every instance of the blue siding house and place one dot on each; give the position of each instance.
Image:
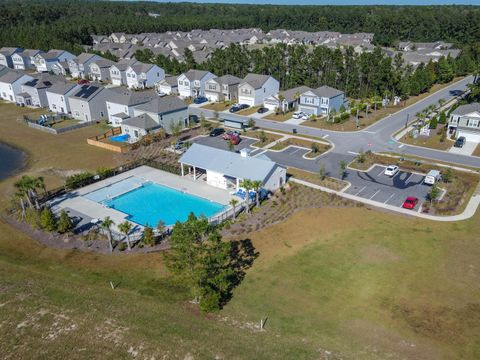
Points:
(321, 101)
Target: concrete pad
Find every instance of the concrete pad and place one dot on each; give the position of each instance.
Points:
(467, 149)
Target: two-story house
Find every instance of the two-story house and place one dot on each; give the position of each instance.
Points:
(44, 61)
(321, 101)
(465, 121)
(141, 76)
(255, 88)
(167, 86)
(122, 101)
(58, 97)
(34, 92)
(100, 70)
(159, 113)
(222, 88)
(89, 102)
(80, 66)
(192, 83)
(118, 71)
(11, 82)
(285, 100)
(6, 54)
(24, 60)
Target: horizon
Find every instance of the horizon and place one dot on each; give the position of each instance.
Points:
(325, 2)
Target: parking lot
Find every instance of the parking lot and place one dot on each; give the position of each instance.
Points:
(219, 143)
(375, 185)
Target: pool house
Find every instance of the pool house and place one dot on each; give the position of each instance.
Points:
(226, 169)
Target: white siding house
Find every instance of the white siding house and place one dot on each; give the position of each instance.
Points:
(24, 60)
(122, 101)
(118, 71)
(141, 76)
(11, 84)
(192, 83)
(34, 92)
(58, 97)
(100, 70)
(44, 61)
(80, 66)
(6, 54)
(167, 86)
(465, 121)
(255, 88)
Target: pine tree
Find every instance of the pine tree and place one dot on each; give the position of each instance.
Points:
(65, 224)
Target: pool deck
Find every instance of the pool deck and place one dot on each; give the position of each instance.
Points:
(91, 209)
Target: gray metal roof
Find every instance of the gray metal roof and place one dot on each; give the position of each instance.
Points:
(142, 122)
(228, 163)
(161, 105)
(466, 109)
(128, 97)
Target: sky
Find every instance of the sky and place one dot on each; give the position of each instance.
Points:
(336, 2)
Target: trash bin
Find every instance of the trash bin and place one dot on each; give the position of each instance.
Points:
(294, 131)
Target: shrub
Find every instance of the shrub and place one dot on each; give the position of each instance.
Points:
(210, 301)
(64, 223)
(79, 180)
(47, 220)
(104, 172)
(32, 217)
(433, 123)
(122, 246)
(148, 237)
(314, 147)
(443, 118)
(263, 137)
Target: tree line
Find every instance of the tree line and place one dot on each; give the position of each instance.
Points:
(359, 75)
(47, 24)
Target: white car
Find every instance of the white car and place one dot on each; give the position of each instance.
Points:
(391, 170)
(298, 115)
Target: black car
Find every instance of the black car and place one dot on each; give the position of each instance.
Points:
(262, 110)
(216, 132)
(244, 106)
(460, 142)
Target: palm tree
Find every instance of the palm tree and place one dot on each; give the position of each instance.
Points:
(161, 227)
(247, 185)
(256, 186)
(125, 228)
(234, 203)
(40, 183)
(106, 225)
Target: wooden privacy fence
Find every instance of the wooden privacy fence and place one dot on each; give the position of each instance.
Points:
(101, 141)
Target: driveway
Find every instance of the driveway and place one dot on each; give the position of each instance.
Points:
(467, 149)
(376, 186)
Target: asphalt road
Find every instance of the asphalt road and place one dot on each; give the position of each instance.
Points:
(377, 137)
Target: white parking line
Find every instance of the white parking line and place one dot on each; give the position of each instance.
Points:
(401, 146)
(295, 151)
(389, 198)
(368, 132)
(408, 177)
(352, 152)
(363, 188)
(325, 136)
(381, 173)
(374, 194)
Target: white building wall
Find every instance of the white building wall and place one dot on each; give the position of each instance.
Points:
(276, 179)
(113, 108)
(8, 91)
(58, 103)
(216, 179)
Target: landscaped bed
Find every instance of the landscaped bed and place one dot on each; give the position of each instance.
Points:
(476, 152)
(217, 106)
(265, 138)
(248, 111)
(436, 140)
(316, 148)
(316, 179)
(279, 117)
(459, 188)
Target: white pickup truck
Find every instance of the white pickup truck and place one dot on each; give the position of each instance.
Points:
(432, 177)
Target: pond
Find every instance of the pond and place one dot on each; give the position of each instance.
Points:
(11, 160)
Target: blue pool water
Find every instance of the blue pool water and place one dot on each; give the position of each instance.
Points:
(120, 138)
(153, 202)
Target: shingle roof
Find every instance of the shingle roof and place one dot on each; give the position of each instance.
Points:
(170, 80)
(9, 51)
(326, 91)
(161, 105)
(290, 94)
(142, 122)
(61, 88)
(141, 67)
(127, 97)
(195, 74)
(104, 63)
(228, 163)
(256, 80)
(11, 76)
(228, 80)
(88, 91)
(124, 64)
(466, 109)
(83, 58)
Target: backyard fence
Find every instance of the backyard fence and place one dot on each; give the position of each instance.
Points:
(32, 123)
(102, 141)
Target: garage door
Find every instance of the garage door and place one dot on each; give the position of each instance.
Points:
(246, 100)
(211, 97)
(472, 137)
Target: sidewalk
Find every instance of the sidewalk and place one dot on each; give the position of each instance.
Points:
(469, 211)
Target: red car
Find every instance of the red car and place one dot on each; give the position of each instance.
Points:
(235, 139)
(83, 82)
(410, 203)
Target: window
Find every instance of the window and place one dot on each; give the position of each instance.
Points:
(180, 82)
(76, 113)
(473, 122)
(308, 100)
(324, 101)
(54, 107)
(102, 114)
(61, 98)
(246, 91)
(212, 87)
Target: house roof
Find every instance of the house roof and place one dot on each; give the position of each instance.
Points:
(9, 51)
(161, 105)
(52, 54)
(195, 74)
(83, 58)
(141, 67)
(170, 80)
(11, 76)
(143, 121)
(61, 88)
(88, 91)
(124, 64)
(127, 97)
(228, 163)
(104, 63)
(228, 80)
(467, 109)
(256, 80)
(290, 94)
(326, 91)
(43, 81)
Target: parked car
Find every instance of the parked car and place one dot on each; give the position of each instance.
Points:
(234, 108)
(391, 170)
(298, 114)
(200, 100)
(162, 94)
(262, 110)
(216, 132)
(83, 82)
(410, 203)
(234, 139)
(229, 134)
(432, 177)
(460, 142)
(179, 145)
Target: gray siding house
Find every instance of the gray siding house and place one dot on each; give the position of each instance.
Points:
(24, 60)
(89, 102)
(222, 88)
(34, 92)
(80, 66)
(321, 101)
(58, 95)
(465, 121)
(118, 71)
(6, 54)
(100, 70)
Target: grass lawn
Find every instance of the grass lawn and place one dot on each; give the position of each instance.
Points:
(373, 116)
(249, 111)
(65, 123)
(302, 143)
(257, 135)
(328, 182)
(328, 281)
(51, 156)
(217, 106)
(279, 117)
(476, 152)
(433, 141)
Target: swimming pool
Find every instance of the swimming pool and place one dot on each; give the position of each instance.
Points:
(120, 138)
(151, 202)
